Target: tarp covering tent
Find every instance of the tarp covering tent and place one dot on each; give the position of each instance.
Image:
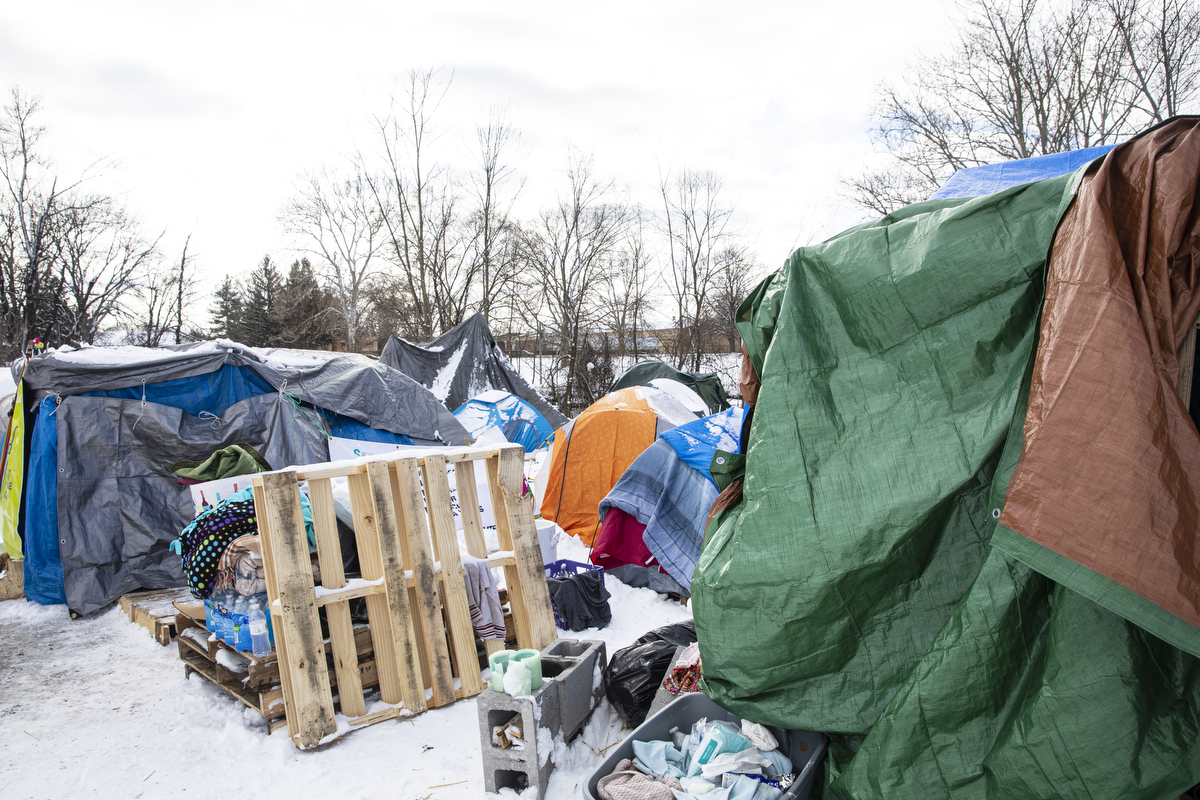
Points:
(519, 421)
(668, 490)
(102, 505)
(593, 450)
(706, 384)
(462, 363)
(862, 587)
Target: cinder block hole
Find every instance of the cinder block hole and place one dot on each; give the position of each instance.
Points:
(567, 649)
(511, 779)
(497, 719)
(552, 668)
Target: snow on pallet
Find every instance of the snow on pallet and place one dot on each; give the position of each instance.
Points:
(155, 610)
(420, 621)
(253, 680)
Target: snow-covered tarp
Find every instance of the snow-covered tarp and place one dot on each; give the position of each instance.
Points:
(463, 363)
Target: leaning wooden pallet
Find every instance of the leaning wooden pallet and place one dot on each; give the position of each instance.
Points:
(407, 546)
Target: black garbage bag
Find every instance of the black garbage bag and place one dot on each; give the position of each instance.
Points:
(634, 673)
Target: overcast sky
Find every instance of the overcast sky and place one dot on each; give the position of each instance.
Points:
(212, 110)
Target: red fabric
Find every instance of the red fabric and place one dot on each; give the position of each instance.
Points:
(620, 542)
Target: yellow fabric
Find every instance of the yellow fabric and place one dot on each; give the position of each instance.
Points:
(604, 440)
(14, 474)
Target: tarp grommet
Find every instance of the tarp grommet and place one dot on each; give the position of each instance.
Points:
(995, 513)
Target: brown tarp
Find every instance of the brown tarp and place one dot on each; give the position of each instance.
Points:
(1109, 476)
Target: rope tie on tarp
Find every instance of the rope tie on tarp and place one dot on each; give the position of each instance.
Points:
(297, 408)
(57, 402)
(142, 408)
(216, 421)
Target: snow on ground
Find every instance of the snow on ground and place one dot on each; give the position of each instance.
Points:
(95, 707)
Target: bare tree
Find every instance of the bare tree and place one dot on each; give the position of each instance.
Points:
(628, 293)
(493, 252)
(102, 255)
(340, 223)
(155, 319)
(1028, 78)
(32, 204)
(418, 197)
(570, 252)
(699, 238)
(1161, 39)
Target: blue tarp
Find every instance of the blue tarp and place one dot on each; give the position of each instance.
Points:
(43, 566)
(213, 392)
(991, 178)
(520, 422)
(697, 442)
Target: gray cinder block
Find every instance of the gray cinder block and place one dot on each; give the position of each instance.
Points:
(540, 725)
(575, 667)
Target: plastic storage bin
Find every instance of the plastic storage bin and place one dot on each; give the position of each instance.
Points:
(805, 749)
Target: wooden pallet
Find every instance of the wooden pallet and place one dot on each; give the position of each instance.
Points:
(258, 686)
(155, 610)
(407, 546)
(12, 577)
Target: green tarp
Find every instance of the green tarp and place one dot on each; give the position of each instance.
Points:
(706, 384)
(854, 590)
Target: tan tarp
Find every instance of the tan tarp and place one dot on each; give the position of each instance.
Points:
(1109, 476)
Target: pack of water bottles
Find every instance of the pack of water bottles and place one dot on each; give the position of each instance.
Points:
(242, 622)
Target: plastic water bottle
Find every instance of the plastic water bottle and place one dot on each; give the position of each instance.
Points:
(227, 622)
(241, 621)
(208, 615)
(259, 640)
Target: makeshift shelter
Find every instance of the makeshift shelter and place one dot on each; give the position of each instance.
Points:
(463, 363)
(593, 450)
(101, 503)
(666, 494)
(706, 384)
(519, 421)
(966, 542)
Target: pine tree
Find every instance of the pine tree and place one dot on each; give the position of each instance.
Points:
(305, 318)
(260, 315)
(227, 311)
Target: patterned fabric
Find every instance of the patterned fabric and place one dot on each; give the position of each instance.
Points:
(204, 541)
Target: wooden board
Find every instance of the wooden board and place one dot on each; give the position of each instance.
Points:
(154, 610)
(528, 594)
(445, 537)
(337, 614)
(311, 703)
(419, 559)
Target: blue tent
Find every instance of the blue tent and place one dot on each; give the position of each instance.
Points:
(520, 422)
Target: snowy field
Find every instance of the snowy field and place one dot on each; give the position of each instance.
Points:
(96, 708)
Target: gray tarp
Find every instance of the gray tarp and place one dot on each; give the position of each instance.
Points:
(344, 383)
(119, 485)
(118, 506)
(475, 365)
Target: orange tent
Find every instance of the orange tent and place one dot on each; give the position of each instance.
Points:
(592, 451)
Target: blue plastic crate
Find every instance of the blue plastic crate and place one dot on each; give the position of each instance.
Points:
(561, 569)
